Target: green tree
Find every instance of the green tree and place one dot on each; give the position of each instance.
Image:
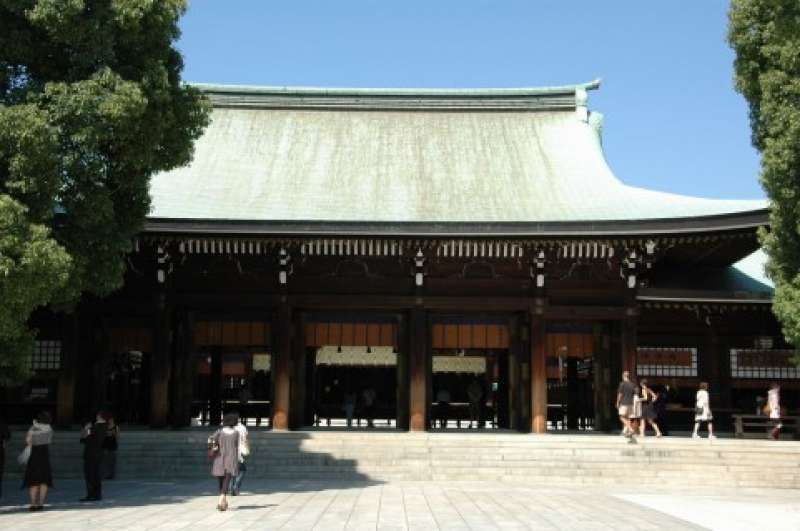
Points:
(765, 35)
(91, 105)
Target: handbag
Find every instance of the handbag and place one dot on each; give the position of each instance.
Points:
(24, 456)
(213, 445)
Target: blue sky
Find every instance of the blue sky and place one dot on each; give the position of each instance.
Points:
(672, 119)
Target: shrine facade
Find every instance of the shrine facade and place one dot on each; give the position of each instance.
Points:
(466, 258)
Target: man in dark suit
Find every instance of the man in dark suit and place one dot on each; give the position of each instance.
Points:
(92, 437)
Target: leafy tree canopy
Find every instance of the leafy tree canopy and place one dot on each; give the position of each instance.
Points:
(765, 34)
(91, 105)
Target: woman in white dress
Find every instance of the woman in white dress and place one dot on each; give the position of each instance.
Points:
(774, 407)
(702, 412)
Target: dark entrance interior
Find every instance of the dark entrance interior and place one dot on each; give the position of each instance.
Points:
(353, 372)
(475, 372)
(233, 372)
(570, 350)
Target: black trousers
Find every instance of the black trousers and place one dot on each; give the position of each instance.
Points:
(92, 473)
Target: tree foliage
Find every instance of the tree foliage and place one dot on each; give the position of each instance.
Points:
(765, 35)
(91, 105)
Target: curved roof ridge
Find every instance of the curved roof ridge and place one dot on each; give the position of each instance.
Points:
(213, 88)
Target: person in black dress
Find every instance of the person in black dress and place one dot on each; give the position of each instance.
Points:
(92, 437)
(5, 435)
(38, 473)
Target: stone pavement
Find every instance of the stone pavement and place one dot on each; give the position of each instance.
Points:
(401, 505)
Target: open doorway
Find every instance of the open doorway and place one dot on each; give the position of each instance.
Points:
(232, 371)
(352, 373)
(474, 374)
(572, 352)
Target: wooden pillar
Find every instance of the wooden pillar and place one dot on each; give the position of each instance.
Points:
(65, 406)
(714, 365)
(538, 374)
(100, 363)
(183, 372)
(160, 362)
(514, 413)
(302, 407)
(628, 342)
(418, 370)
(282, 367)
(403, 382)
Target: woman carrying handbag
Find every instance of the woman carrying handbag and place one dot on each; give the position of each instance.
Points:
(224, 450)
(38, 473)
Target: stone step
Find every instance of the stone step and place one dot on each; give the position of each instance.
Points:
(552, 460)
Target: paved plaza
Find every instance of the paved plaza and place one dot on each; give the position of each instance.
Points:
(402, 505)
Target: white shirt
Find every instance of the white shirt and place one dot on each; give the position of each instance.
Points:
(244, 443)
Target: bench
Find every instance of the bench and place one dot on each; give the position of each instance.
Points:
(742, 423)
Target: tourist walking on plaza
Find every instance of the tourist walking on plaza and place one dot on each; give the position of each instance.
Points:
(244, 452)
(649, 412)
(110, 445)
(702, 412)
(5, 435)
(93, 436)
(774, 410)
(38, 472)
(225, 451)
(624, 404)
(636, 411)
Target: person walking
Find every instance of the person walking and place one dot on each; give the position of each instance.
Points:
(774, 410)
(649, 412)
(624, 404)
(93, 436)
(475, 396)
(702, 412)
(244, 452)
(5, 436)
(636, 411)
(443, 406)
(38, 472)
(110, 446)
(349, 407)
(368, 397)
(226, 457)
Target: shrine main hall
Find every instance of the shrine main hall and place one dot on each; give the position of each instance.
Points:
(416, 259)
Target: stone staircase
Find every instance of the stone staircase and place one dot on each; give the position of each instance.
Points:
(559, 460)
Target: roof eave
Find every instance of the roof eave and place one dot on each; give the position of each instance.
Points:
(604, 228)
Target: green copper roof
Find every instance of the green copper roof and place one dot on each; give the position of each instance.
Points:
(409, 155)
(753, 267)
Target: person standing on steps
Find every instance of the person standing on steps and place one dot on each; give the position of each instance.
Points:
(702, 412)
(624, 405)
(93, 436)
(38, 472)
